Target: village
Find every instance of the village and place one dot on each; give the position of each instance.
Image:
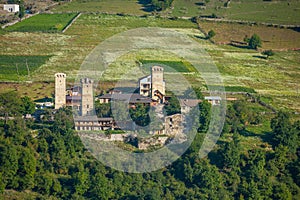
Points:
(151, 92)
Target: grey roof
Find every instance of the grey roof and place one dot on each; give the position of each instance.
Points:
(91, 118)
(131, 98)
(73, 98)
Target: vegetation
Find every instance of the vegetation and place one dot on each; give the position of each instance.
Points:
(257, 156)
(268, 53)
(43, 23)
(171, 66)
(161, 4)
(173, 106)
(254, 42)
(131, 7)
(255, 10)
(17, 67)
(211, 34)
(234, 33)
(50, 162)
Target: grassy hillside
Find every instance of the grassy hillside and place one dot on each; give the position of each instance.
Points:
(272, 38)
(17, 67)
(281, 12)
(134, 7)
(276, 77)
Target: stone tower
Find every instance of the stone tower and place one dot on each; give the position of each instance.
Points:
(60, 90)
(158, 84)
(87, 97)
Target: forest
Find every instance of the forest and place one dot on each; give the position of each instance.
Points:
(47, 159)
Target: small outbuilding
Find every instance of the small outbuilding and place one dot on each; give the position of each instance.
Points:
(11, 8)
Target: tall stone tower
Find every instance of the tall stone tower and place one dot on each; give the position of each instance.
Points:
(60, 90)
(158, 84)
(87, 96)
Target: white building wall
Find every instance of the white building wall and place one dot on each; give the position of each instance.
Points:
(11, 7)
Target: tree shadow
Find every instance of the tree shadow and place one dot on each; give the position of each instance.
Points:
(200, 3)
(216, 158)
(247, 133)
(261, 57)
(267, 137)
(147, 7)
(200, 37)
(297, 29)
(240, 46)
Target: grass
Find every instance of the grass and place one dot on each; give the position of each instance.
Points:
(14, 68)
(16, 195)
(35, 90)
(178, 66)
(132, 7)
(43, 23)
(280, 12)
(239, 89)
(272, 38)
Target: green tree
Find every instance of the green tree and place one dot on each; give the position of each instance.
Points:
(268, 53)
(283, 131)
(173, 106)
(231, 152)
(204, 116)
(56, 187)
(21, 10)
(100, 188)
(139, 114)
(27, 105)
(80, 179)
(161, 4)
(102, 109)
(281, 192)
(2, 183)
(10, 105)
(63, 121)
(211, 34)
(255, 42)
(9, 164)
(27, 169)
(43, 182)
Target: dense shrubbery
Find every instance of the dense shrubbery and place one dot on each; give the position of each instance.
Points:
(161, 4)
(53, 162)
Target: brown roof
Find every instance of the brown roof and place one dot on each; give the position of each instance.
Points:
(189, 102)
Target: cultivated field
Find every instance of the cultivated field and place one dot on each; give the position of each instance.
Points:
(17, 67)
(43, 23)
(272, 38)
(133, 7)
(280, 12)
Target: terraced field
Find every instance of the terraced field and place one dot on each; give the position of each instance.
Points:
(43, 23)
(132, 7)
(17, 67)
(280, 12)
(272, 38)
